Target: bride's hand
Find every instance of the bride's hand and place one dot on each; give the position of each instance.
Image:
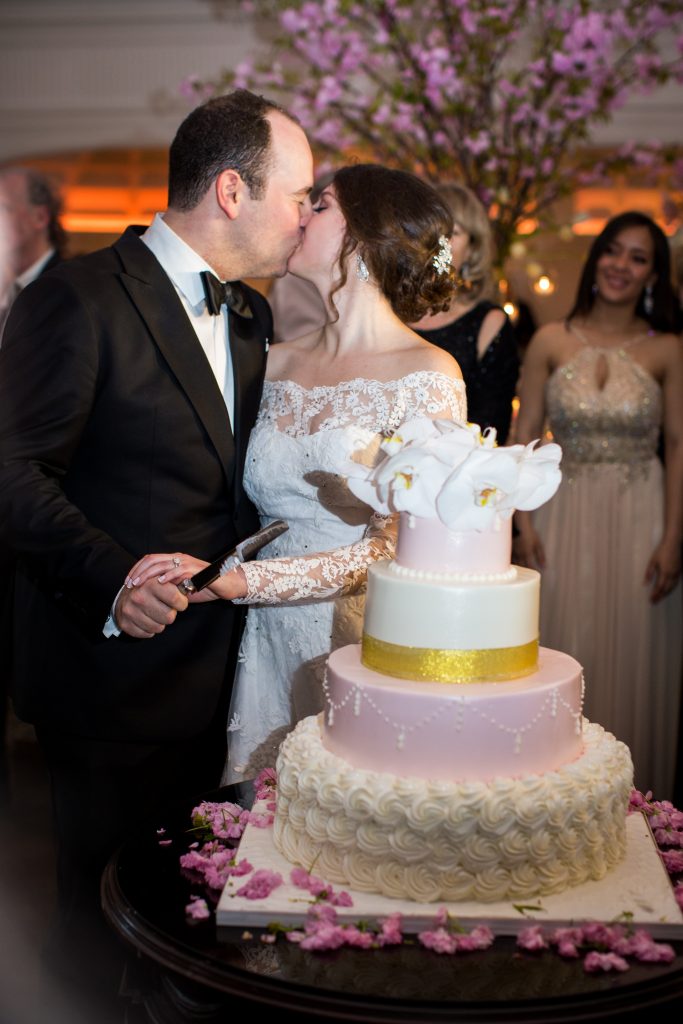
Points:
(167, 568)
(230, 586)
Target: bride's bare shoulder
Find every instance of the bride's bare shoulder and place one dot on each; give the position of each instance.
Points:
(425, 356)
(284, 356)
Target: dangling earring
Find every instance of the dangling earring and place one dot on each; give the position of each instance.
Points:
(594, 288)
(462, 280)
(648, 304)
(362, 271)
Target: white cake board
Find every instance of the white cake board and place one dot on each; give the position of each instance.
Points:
(639, 885)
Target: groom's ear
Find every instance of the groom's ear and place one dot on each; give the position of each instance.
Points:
(231, 192)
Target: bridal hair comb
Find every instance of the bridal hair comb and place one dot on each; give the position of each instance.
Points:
(442, 261)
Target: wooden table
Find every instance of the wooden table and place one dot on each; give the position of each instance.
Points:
(194, 972)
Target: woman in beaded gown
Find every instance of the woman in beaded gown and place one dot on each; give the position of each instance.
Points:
(377, 248)
(608, 380)
(476, 332)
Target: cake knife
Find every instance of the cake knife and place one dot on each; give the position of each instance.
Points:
(243, 551)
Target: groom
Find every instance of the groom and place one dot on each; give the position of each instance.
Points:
(126, 401)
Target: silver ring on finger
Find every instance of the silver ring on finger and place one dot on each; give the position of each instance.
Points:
(176, 562)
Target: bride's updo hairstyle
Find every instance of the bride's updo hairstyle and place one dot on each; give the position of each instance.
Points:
(394, 221)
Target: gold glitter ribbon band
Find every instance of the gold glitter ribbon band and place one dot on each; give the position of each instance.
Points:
(428, 664)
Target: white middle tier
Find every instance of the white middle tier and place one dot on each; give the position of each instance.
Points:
(408, 612)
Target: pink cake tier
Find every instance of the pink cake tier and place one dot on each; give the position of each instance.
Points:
(476, 731)
(427, 546)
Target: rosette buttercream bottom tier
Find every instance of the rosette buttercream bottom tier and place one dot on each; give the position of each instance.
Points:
(426, 840)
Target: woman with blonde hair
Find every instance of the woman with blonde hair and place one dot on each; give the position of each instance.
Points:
(475, 330)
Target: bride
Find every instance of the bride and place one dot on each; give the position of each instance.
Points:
(377, 250)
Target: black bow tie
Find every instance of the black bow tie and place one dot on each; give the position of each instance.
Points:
(231, 292)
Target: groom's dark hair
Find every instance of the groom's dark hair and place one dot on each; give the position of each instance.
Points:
(228, 132)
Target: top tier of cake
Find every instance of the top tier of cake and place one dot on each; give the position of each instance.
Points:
(427, 548)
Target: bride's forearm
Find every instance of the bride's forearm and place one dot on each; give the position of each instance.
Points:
(324, 574)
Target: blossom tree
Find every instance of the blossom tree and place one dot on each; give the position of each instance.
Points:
(499, 94)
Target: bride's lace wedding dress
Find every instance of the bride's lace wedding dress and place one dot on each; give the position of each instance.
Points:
(310, 601)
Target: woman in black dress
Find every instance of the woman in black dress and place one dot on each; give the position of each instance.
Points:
(476, 331)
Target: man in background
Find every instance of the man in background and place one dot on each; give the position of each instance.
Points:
(32, 241)
(35, 237)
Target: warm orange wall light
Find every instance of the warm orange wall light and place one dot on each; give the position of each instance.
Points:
(90, 210)
(593, 207)
(100, 224)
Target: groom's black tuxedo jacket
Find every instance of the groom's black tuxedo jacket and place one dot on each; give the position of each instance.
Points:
(115, 441)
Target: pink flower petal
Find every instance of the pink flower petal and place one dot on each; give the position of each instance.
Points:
(531, 938)
(197, 909)
(604, 962)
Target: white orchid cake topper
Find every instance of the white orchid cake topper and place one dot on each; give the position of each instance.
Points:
(454, 471)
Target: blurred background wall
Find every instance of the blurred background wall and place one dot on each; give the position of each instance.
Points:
(90, 91)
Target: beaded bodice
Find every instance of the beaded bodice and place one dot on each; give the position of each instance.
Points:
(617, 422)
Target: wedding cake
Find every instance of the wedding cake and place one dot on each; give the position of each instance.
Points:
(452, 762)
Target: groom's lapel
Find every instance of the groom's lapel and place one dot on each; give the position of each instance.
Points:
(247, 352)
(158, 304)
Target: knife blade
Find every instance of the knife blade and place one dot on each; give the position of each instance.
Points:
(243, 551)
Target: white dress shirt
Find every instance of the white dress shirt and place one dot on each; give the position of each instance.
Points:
(183, 266)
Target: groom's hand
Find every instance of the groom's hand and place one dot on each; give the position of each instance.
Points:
(147, 610)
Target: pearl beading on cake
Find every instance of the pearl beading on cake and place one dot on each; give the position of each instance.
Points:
(458, 705)
(454, 577)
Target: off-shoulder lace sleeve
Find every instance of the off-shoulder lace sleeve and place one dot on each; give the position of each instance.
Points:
(437, 396)
(327, 574)
(378, 405)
